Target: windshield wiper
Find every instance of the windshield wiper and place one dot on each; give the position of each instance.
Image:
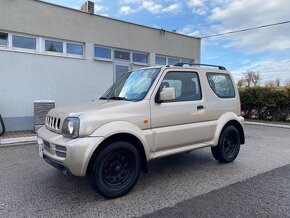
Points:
(118, 98)
(103, 98)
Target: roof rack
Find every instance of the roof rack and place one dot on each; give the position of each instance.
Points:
(181, 64)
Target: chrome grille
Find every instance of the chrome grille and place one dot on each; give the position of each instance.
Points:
(53, 122)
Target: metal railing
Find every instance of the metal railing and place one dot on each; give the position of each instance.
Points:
(2, 126)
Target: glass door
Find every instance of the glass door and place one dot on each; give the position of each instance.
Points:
(120, 69)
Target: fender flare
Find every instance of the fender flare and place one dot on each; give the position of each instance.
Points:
(120, 127)
(223, 121)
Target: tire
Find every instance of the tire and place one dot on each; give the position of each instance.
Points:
(115, 170)
(2, 126)
(229, 145)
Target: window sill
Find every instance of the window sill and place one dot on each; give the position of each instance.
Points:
(141, 64)
(34, 52)
(103, 59)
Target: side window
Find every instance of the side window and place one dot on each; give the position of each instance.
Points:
(186, 85)
(221, 84)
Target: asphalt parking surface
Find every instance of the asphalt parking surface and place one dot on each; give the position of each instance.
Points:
(178, 185)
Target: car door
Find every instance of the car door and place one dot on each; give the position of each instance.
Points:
(180, 122)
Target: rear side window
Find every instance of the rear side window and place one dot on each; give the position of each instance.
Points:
(221, 84)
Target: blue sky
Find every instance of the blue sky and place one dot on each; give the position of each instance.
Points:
(264, 50)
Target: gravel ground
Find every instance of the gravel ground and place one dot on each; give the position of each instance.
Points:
(32, 188)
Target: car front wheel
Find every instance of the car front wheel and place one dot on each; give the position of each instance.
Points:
(115, 170)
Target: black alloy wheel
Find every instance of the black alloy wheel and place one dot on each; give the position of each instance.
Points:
(229, 145)
(115, 170)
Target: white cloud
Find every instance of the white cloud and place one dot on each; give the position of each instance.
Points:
(269, 69)
(105, 15)
(239, 14)
(194, 3)
(152, 6)
(128, 1)
(99, 8)
(189, 30)
(127, 10)
(173, 8)
(199, 11)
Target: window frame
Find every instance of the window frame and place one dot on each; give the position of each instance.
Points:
(103, 59)
(124, 60)
(29, 50)
(176, 100)
(172, 58)
(191, 61)
(75, 43)
(7, 40)
(140, 63)
(55, 53)
(161, 56)
(225, 74)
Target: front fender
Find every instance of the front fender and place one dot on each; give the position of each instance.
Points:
(222, 121)
(112, 128)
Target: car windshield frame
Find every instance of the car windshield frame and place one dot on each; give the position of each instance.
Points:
(124, 87)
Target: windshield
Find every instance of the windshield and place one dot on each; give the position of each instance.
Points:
(132, 86)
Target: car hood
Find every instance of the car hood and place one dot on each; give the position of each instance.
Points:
(94, 114)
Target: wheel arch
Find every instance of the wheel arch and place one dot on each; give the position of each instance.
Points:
(134, 140)
(227, 120)
(238, 126)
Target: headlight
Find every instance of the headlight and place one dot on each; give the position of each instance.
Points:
(70, 127)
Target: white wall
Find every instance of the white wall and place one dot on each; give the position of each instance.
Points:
(27, 77)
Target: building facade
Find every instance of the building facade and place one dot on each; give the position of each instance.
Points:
(49, 52)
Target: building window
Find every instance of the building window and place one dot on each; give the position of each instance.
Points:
(23, 42)
(160, 60)
(53, 46)
(140, 58)
(172, 61)
(3, 39)
(188, 61)
(101, 52)
(75, 49)
(122, 55)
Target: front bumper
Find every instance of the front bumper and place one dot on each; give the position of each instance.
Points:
(71, 156)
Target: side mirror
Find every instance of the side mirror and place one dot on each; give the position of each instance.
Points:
(167, 94)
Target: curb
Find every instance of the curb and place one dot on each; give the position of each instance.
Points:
(8, 141)
(268, 124)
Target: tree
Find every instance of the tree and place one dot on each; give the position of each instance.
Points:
(241, 83)
(288, 83)
(277, 82)
(252, 77)
(270, 83)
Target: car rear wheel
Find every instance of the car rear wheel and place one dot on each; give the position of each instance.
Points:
(115, 170)
(229, 145)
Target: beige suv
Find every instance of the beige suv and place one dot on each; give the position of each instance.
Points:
(148, 113)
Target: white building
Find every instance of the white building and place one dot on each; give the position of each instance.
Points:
(49, 52)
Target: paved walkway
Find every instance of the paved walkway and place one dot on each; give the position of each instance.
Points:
(17, 137)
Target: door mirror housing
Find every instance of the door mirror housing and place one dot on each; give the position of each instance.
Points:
(167, 94)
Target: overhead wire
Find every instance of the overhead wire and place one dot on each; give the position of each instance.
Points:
(246, 29)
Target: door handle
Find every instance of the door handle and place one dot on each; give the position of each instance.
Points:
(200, 107)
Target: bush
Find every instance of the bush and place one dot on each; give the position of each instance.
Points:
(265, 103)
